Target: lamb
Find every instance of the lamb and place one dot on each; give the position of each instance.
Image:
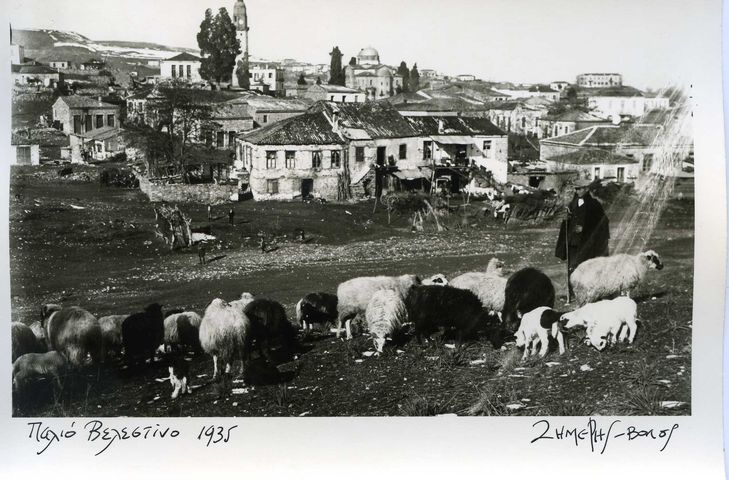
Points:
(33, 365)
(489, 287)
(607, 277)
(526, 290)
(355, 294)
(224, 334)
(430, 308)
(76, 334)
(536, 328)
(143, 333)
(111, 333)
(182, 330)
(318, 307)
(243, 301)
(268, 324)
(437, 279)
(22, 340)
(604, 320)
(385, 316)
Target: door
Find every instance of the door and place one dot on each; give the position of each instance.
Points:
(462, 155)
(621, 174)
(381, 152)
(307, 186)
(24, 156)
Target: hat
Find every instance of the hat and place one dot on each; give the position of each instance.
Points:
(582, 183)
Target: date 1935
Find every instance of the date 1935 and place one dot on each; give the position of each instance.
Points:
(213, 434)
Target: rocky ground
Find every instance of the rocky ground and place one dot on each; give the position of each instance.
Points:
(76, 243)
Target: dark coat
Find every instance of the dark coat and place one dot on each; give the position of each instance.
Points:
(589, 232)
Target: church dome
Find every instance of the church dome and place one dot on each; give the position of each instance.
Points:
(368, 56)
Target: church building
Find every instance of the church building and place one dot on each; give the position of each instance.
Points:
(378, 81)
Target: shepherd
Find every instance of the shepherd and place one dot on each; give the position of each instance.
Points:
(585, 233)
(201, 252)
(231, 216)
(210, 213)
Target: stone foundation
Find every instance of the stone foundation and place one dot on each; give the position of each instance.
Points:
(180, 193)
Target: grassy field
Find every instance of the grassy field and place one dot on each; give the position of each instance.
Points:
(105, 258)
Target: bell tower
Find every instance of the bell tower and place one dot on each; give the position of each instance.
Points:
(240, 19)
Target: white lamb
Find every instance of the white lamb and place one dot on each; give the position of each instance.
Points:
(606, 277)
(385, 315)
(536, 328)
(606, 321)
(437, 279)
(489, 287)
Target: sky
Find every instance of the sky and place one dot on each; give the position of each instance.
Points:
(651, 42)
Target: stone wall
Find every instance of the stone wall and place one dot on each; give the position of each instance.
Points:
(179, 193)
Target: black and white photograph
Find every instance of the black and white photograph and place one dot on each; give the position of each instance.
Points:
(259, 210)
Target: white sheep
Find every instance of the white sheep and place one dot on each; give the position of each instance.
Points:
(437, 279)
(111, 333)
(354, 295)
(182, 330)
(224, 332)
(33, 365)
(243, 301)
(606, 277)
(536, 328)
(489, 287)
(606, 321)
(385, 315)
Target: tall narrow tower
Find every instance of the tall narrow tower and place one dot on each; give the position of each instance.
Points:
(240, 19)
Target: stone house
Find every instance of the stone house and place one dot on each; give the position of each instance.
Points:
(334, 93)
(35, 75)
(518, 117)
(31, 146)
(185, 67)
(594, 164)
(79, 115)
(566, 122)
(96, 145)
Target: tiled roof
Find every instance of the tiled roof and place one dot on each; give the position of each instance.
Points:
(230, 111)
(101, 133)
(609, 135)
(574, 116)
(377, 119)
(429, 125)
(591, 156)
(36, 69)
(79, 101)
(542, 88)
(617, 91)
(308, 129)
(183, 57)
(335, 89)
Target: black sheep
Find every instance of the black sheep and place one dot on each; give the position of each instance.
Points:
(432, 307)
(143, 333)
(269, 325)
(526, 290)
(316, 307)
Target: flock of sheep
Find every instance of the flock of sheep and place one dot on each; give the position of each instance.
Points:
(503, 309)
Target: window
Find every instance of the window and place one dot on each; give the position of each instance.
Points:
(487, 148)
(272, 187)
(270, 159)
(359, 154)
(231, 139)
(174, 71)
(99, 121)
(220, 139)
(566, 130)
(336, 159)
(182, 71)
(427, 150)
(597, 172)
(523, 122)
(265, 119)
(89, 126)
(647, 161)
(621, 174)
(77, 124)
(331, 98)
(270, 75)
(403, 151)
(290, 159)
(315, 159)
(110, 120)
(189, 71)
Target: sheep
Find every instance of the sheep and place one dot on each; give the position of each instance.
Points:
(143, 333)
(385, 316)
(526, 290)
(269, 323)
(437, 279)
(607, 277)
(40, 335)
(48, 309)
(111, 333)
(430, 308)
(76, 334)
(22, 340)
(604, 320)
(182, 330)
(355, 294)
(33, 365)
(536, 328)
(318, 307)
(489, 287)
(179, 375)
(224, 334)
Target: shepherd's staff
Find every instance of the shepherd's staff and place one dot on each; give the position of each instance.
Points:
(567, 250)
